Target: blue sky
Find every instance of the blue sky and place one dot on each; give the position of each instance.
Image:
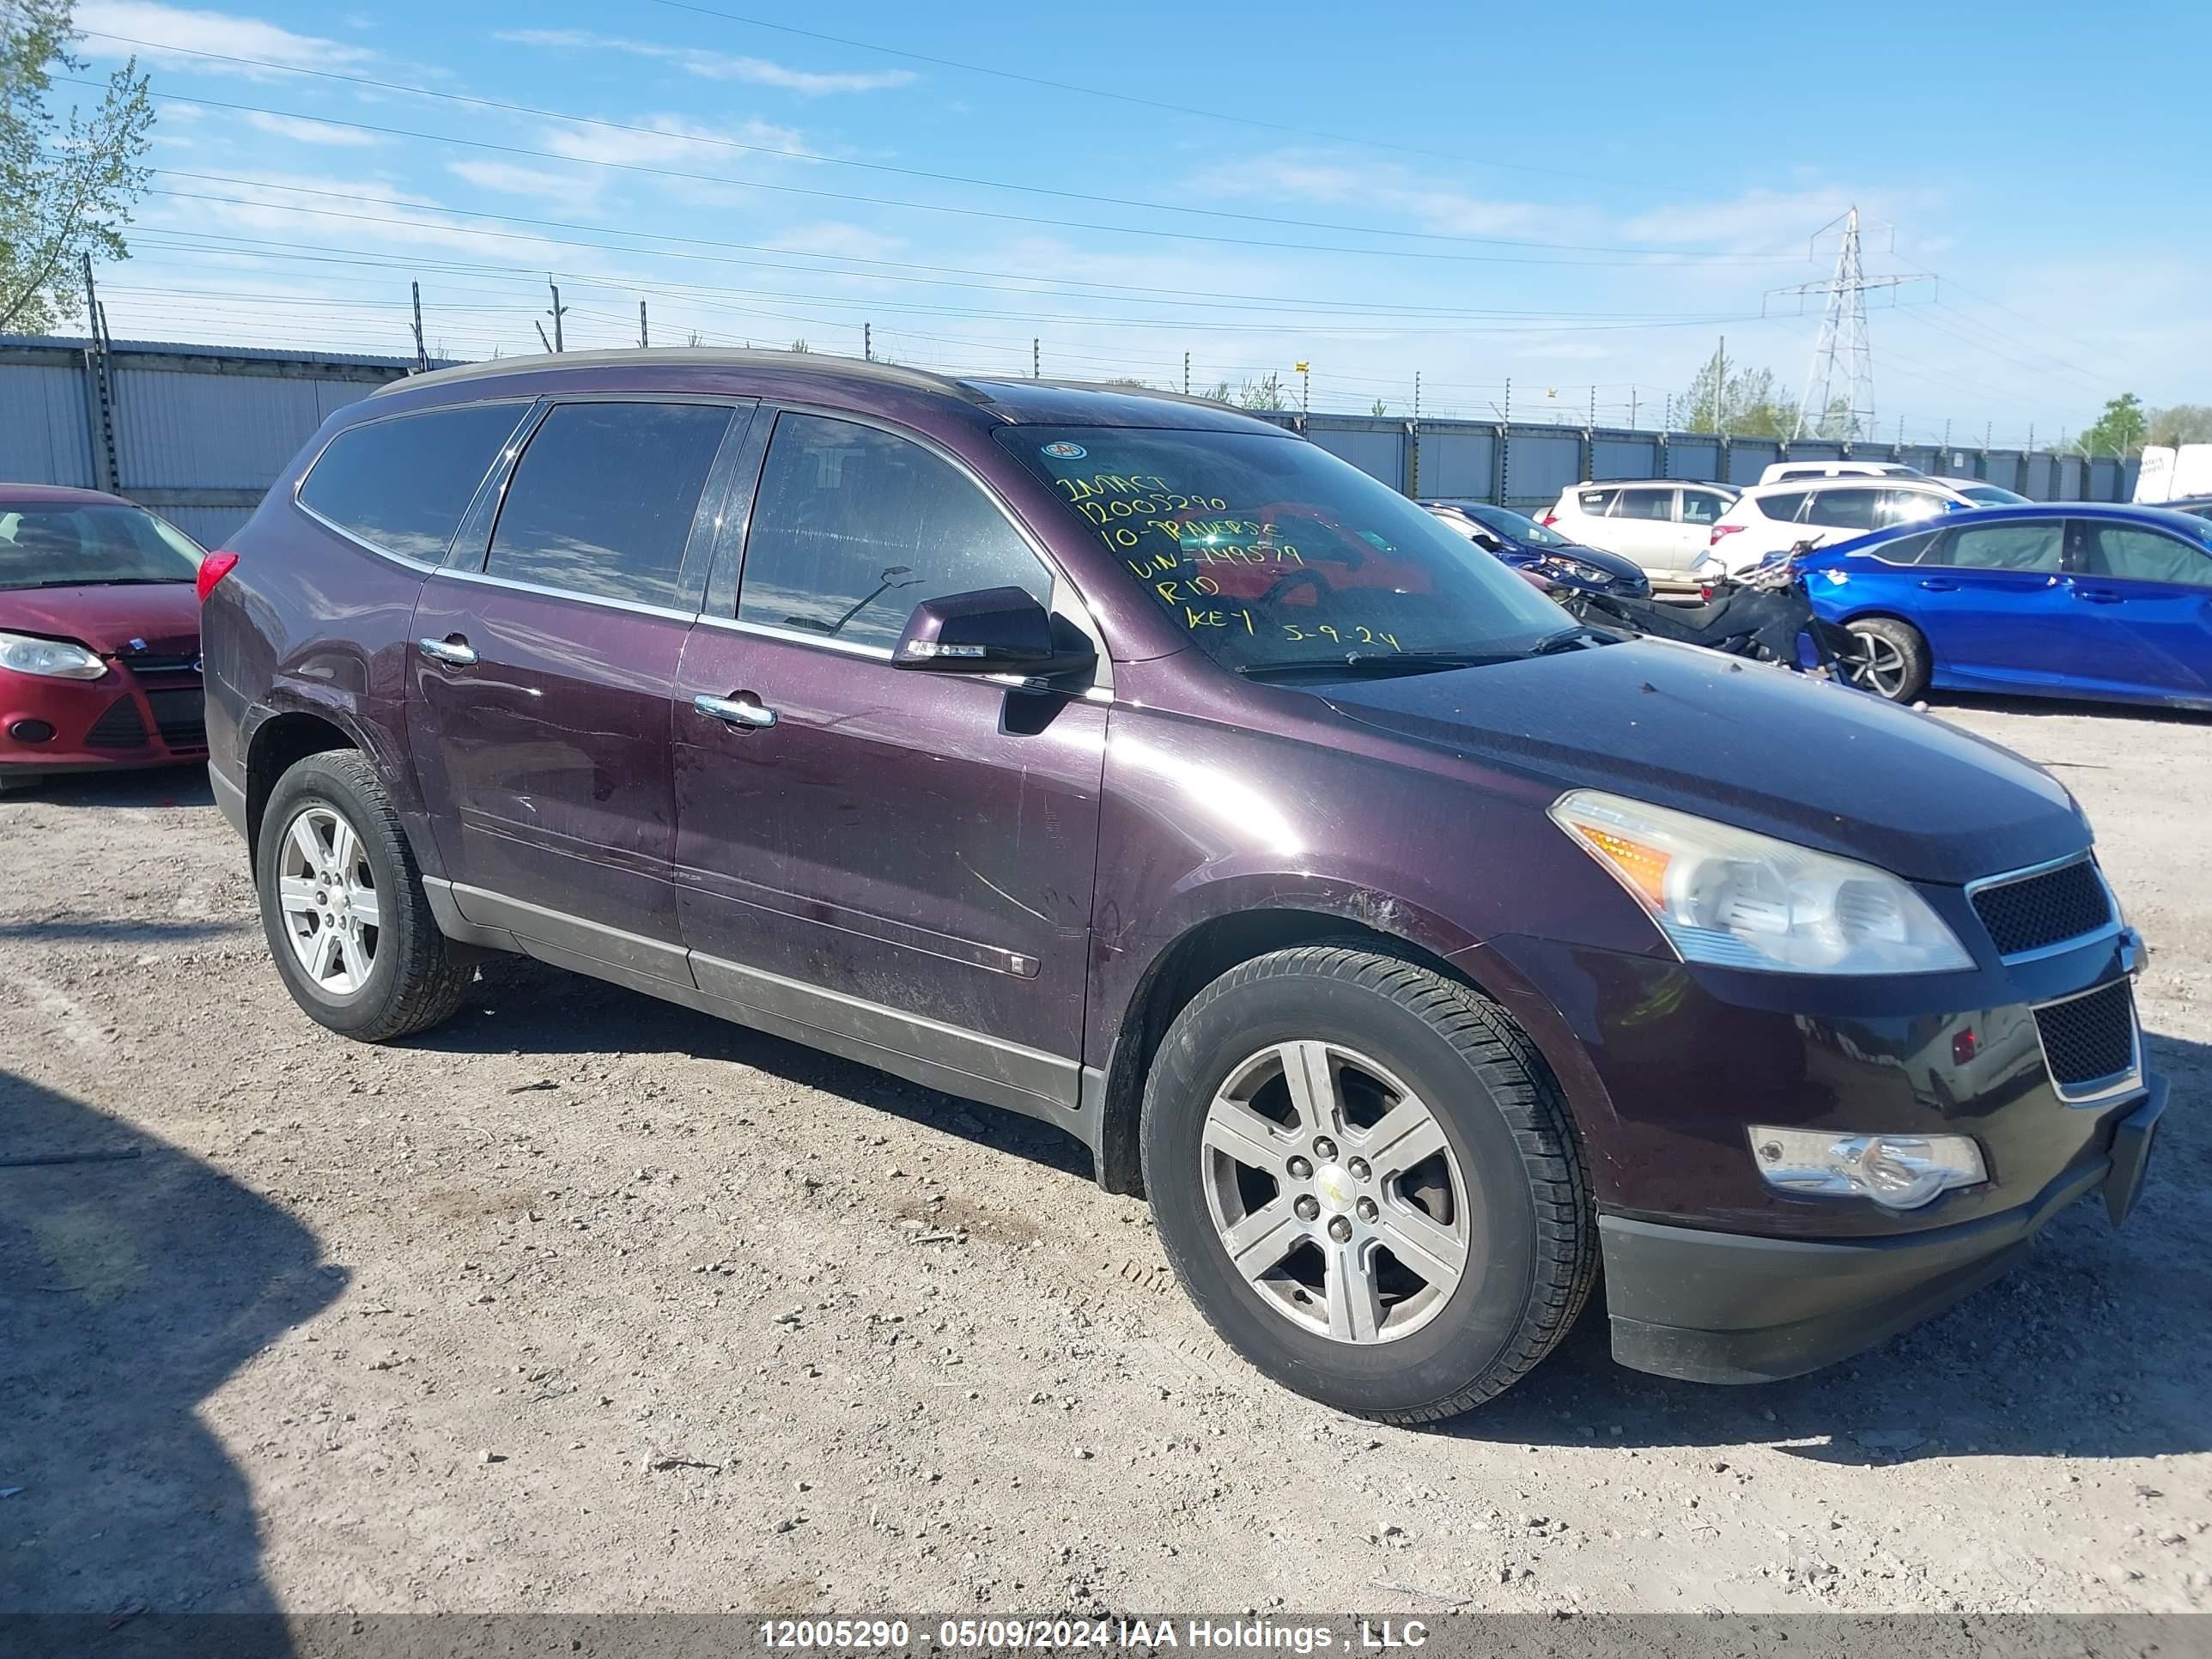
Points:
(1565, 198)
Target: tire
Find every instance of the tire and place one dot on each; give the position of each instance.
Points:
(1505, 1178)
(412, 981)
(1892, 659)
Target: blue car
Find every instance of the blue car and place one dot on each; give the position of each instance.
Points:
(1531, 547)
(2067, 600)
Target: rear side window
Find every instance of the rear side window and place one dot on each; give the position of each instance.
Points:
(1906, 549)
(1645, 504)
(1782, 509)
(2004, 546)
(2128, 554)
(1595, 501)
(854, 527)
(1842, 509)
(403, 483)
(1702, 507)
(602, 502)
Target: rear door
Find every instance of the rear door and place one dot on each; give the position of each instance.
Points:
(2147, 596)
(1993, 602)
(545, 656)
(900, 862)
(1695, 514)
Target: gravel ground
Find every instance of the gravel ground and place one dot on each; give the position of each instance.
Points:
(589, 1303)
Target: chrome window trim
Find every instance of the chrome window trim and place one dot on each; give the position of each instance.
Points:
(362, 541)
(800, 637)
(2094, 936)
(2097, 1090)
(484, 579)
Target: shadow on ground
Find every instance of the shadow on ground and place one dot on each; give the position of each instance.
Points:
(130, 1288)
(162, 786)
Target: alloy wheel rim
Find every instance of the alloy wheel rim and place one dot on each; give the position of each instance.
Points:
(1334, 1191)
(326, 895)
(1880, 666)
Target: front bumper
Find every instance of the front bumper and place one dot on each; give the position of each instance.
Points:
(1715, 1307)
(124, 719)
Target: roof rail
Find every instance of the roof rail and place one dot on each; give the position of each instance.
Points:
(920, 380)
(1117, 387)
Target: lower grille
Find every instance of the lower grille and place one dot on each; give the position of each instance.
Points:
(180, 716)
(118, 728)
(2089, 1040)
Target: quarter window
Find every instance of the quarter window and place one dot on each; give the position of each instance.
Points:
(403, 483)
(602, 502)
(1645, 504)
(1907, 549)
(2004, 547)
(854, 527)
(2143, 556)
(1596, 503)
(1842, 509)
(1782, 509)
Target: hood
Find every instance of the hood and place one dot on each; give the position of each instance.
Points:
(1808, 761)
(108, 618)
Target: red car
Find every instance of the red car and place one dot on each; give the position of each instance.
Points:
(100, 635)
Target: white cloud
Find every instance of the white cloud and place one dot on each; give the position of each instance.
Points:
(568, 188)
(300, 130)
(173, 34)
(662, 138)
(1297, 176)
(717, 65)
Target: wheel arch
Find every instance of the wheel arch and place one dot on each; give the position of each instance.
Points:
(280, 741)
(1210, 947)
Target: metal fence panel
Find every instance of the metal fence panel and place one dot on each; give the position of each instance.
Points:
(1694, 458)
(185, 431)
(1748, 457)
(2105, 476)
(1379, 453)
(210, 526)
(1624, 457)
(1458, 463)
(1814, 449)
(1539, 464)
(44, 436)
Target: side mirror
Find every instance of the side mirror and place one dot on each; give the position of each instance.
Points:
(992, 630)
(1486, 542)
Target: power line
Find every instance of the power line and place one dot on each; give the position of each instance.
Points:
(1656, 257)
(1142, 103)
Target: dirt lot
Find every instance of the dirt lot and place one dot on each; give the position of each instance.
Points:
(587, 1303)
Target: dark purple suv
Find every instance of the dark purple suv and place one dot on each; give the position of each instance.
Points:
(1128, 762)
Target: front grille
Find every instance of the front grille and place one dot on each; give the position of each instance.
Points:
(2041, 910)
(2089, 1039)
(180, 716)
(161, 662)
(118, 728)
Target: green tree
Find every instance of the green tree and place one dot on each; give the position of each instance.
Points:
(66, 182)
(2119, 430)
(2184, 424)
(1379, 408)
(1746, 403)
(1266, 392)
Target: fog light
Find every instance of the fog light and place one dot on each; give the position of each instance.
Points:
(1900, 1172)
(31, 731)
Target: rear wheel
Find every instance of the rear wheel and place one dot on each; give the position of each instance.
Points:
(343, 905)
(1366, 1180)
(1889, 658)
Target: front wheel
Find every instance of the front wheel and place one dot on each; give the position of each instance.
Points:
(1366, 1180)
(343, 905)
(1889, 658)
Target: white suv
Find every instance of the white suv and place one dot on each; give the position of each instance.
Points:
(1661, 523)
(1774, 518)
(1800, 471)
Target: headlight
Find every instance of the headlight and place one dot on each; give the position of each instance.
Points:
(1734, 899)
(60, 659)
(1902, 1172)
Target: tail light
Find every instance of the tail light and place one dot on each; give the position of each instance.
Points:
(1719, 531)
(213, 570)
(1549, 519)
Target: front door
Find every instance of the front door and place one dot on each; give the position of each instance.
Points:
(538, 707)
(1642, 525)
(2145, 597)
(901, 860)
(1994, 605)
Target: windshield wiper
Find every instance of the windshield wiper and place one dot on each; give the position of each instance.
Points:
(1362, 663)
(1571, 637)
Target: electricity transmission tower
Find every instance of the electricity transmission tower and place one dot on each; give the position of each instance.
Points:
(1839, 381)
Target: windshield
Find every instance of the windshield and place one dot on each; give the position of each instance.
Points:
(70, 546)
(1273, 553)
(1522, 528)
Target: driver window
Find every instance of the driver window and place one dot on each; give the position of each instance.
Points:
(854, 527)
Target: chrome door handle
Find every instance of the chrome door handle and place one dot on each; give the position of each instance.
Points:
(460, 655)
(737, 712)
(1939, 585)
